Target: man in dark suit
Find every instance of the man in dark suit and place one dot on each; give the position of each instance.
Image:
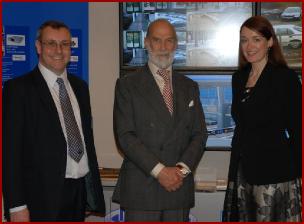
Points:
(50, 170)
(160, 128)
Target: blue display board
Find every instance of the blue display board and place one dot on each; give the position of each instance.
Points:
(15, 51)
(75, 65)
(22, 19)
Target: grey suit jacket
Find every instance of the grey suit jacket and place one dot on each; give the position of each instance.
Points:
(147, 134)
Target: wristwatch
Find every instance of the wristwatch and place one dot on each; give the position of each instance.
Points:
(183, 170)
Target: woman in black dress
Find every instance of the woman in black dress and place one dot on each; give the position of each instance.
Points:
(265, 181)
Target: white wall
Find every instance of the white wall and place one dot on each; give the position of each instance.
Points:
(103, 72)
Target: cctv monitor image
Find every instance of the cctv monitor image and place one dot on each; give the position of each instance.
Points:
(216, 99)
(208, 32)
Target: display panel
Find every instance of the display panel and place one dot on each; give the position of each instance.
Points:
(216, 99)
(286, 18)
(208, 32)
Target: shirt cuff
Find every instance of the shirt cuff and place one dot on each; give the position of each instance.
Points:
(17, 209)
(184, 165)
(156, 170)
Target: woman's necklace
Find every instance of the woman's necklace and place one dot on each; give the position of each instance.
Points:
(253, 77)
(254, 74)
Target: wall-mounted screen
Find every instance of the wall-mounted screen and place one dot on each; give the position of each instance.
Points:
(216, 98)
(208, 32)
(286, 18)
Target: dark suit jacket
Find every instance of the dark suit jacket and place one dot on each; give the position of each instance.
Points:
(34, 147)
(147, 134)
(268, 153)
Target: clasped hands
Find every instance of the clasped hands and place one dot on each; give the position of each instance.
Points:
(171, 178)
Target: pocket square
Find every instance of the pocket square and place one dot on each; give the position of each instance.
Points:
(191, 104)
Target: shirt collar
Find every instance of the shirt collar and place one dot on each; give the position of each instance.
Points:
(50, 77)
(154, 69)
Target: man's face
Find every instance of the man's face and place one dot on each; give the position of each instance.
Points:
(161, 44)
(54, 49)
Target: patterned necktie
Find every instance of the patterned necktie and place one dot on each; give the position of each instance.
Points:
(75, 145)
(167, 92)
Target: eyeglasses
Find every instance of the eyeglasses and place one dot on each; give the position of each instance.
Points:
(52, 44)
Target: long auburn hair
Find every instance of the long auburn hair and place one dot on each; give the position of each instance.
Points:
(262, 26)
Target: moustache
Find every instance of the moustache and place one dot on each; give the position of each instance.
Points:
(160, 54)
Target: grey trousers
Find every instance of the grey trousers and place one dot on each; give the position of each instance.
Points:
(180, 215)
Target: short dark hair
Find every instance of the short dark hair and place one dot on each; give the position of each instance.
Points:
(53, 24)
(262, 26)
(161, 20)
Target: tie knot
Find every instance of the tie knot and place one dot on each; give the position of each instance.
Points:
(164, 74)
(60, 81)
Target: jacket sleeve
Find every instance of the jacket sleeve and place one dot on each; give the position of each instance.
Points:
(125, 132)
(193, 154)
(290, 89)
(235, 109)
(94, 189)
(13, 144)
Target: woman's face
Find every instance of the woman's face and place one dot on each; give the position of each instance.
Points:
(254, 46)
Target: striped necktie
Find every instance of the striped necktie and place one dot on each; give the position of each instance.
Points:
(167, 91)
(75, 144)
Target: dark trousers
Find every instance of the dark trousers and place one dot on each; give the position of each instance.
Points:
(179, 215)
(73, 202)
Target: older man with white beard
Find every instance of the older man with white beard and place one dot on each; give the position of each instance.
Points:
(159, 126)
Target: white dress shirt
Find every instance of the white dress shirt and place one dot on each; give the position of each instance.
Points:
(73, 169)
(159, 80)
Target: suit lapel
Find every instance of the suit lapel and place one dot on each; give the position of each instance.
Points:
(46, 97)
(180, 96)
(151, 92)
(76, 90)
(79, 97)
(261, 84)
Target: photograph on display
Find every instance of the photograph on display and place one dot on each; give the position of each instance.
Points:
(15, 51)
(208, 33)
(286, 18)
(216, 99)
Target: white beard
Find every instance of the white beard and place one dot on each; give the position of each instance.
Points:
(161, 59)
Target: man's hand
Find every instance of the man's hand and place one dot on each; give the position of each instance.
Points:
(20, 216)
(170, 178)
